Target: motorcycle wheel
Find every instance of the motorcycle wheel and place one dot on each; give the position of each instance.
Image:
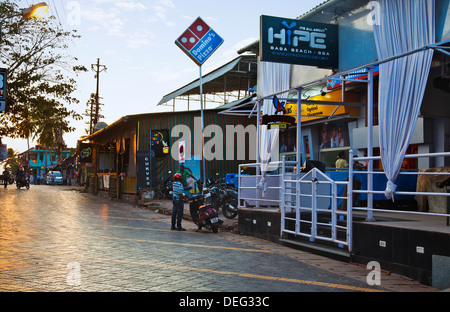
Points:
(215, 229)
(28, 186)
(228, 213)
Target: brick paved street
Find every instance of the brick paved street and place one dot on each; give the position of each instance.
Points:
(53, 238)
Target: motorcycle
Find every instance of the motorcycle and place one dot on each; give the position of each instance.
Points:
(225, 197)
(22, 183)
(204, 213)
(165, 188)
(229, 203)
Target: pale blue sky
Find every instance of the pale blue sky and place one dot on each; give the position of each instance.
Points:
(135, 40)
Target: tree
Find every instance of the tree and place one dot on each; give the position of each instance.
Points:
(12, 162)
(41, 78)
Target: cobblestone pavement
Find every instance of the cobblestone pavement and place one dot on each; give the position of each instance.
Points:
(56, 239)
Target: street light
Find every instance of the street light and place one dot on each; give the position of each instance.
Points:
(38, 10)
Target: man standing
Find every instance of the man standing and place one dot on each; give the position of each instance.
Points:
(6, 177)
(178, 203)
(185, 173)
(341, 162)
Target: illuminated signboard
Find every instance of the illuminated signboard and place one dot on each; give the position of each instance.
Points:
(199, 41)
(292, 41)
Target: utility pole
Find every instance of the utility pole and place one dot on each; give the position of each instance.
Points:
(97, 68)
(90, 114)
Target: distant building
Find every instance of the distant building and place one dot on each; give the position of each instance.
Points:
(42, 158)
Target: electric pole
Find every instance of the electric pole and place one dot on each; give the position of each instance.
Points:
(97, 68)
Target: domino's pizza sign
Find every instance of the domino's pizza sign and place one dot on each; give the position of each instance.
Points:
(199, 41)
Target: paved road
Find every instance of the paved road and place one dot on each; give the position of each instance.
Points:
(53, 238)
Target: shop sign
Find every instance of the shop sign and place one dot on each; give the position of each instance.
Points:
(159, 141)
(293, 41)
(85, 153)
(358, 74)
(199, 41)
(3, 152)
(317, 111)
(144, 165)
(278, 120)
(2, 89)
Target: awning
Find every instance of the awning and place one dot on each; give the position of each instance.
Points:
(234, 76)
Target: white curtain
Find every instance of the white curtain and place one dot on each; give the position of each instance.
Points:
(403, 25)
(274, 78)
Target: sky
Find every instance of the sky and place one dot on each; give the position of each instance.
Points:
(135, 41)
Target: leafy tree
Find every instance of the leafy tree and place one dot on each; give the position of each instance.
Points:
(41, 78)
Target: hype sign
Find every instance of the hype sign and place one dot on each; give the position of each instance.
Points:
(199, 41)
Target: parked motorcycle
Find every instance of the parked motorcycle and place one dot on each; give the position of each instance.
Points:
(224, 196)
(229, 203)
(164, 190)
(23, 183)
(204, 213)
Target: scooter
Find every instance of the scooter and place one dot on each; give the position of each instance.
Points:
(22, 182)
(203, 213)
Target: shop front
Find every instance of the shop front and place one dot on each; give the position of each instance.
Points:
(385, 125)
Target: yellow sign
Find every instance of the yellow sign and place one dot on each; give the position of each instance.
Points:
(315, 111)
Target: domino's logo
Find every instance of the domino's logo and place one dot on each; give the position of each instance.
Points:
(199, 41)
(193, 34)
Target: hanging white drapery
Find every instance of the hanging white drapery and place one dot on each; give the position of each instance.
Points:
(274, 78)
(403, 26)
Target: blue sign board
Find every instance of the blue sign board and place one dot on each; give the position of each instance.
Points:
(3, 77)
(199, 41)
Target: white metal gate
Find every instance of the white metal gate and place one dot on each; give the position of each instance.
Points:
(309, 208)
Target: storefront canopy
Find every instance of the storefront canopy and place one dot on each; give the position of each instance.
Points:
(236, 75)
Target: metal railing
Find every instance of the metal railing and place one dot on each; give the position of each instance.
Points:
(314, 219)
(244, 196)
(370, 209)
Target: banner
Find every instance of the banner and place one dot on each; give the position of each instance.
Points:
(146, 165)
